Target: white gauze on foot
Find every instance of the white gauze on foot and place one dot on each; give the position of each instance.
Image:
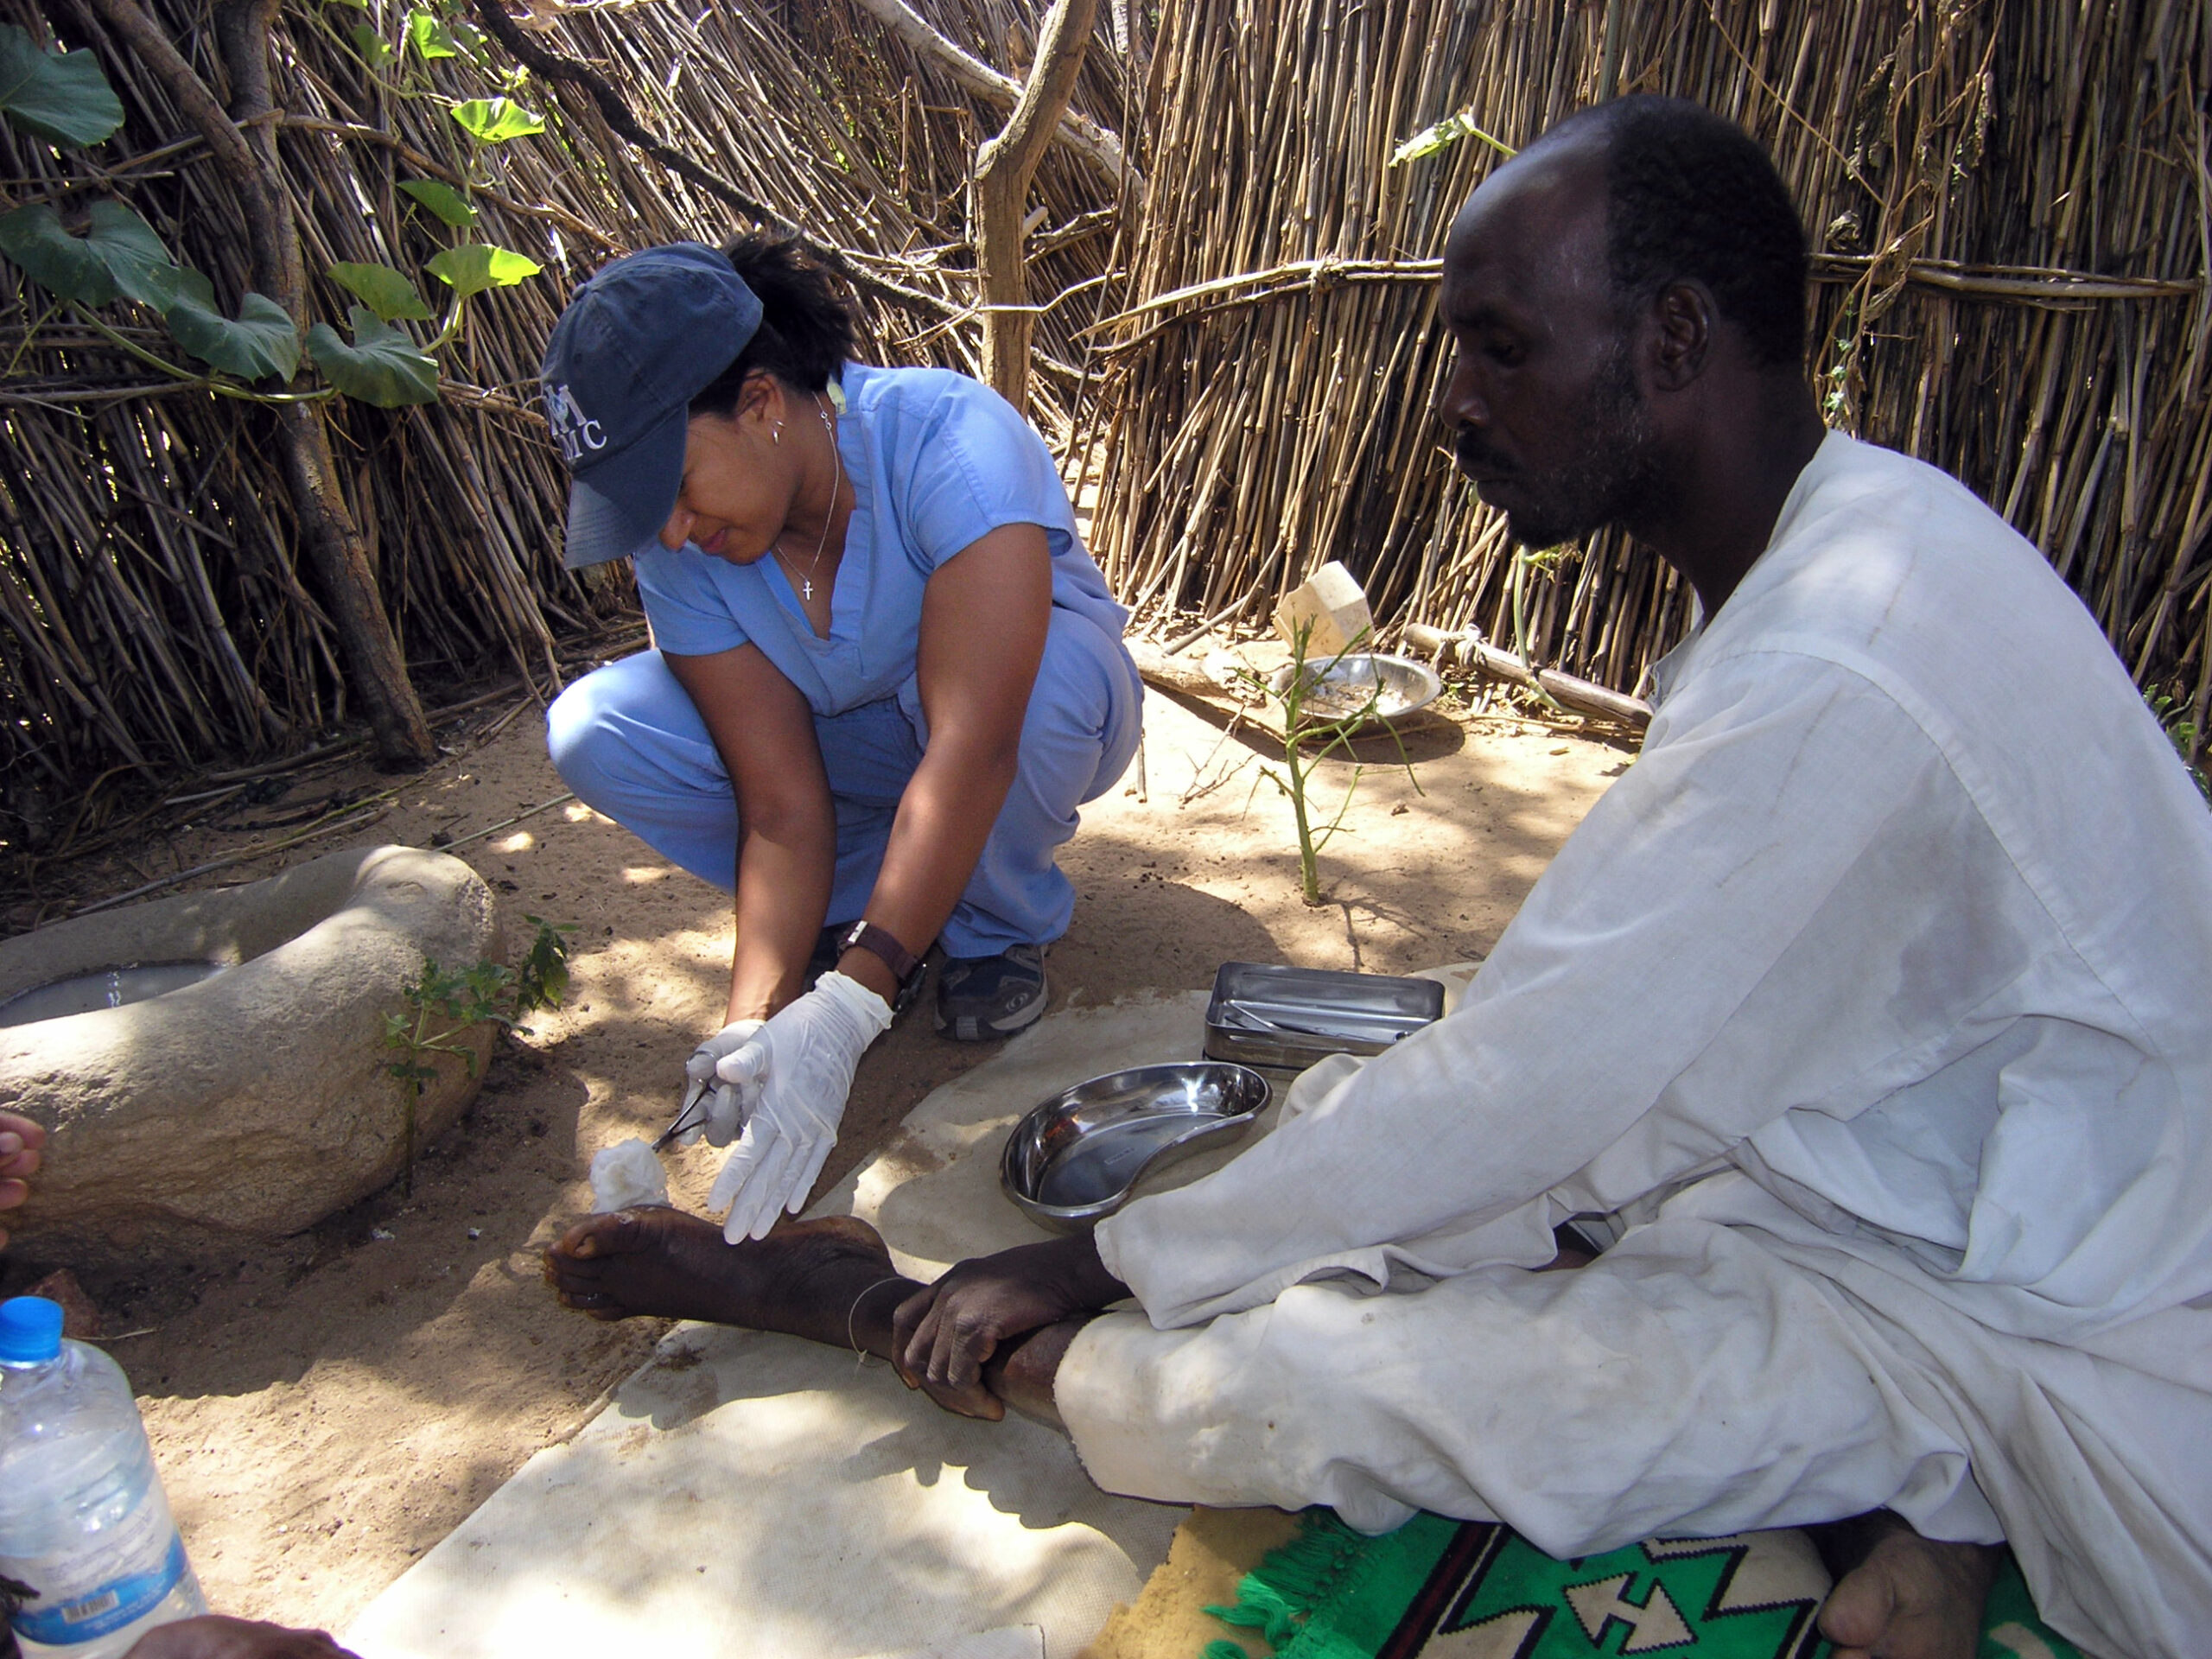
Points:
(627, 1175)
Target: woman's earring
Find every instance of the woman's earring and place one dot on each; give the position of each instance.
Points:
(776, 433)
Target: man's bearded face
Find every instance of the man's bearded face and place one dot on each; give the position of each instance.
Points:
(1566, 471)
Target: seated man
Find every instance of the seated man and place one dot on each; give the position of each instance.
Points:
(1864, 1016)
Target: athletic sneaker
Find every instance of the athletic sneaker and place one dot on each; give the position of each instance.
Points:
(983, 998)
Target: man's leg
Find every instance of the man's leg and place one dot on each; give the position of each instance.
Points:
(1898, 1596)
(1687, 1383)
(830, 1280)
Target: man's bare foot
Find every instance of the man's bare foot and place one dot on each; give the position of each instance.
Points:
(1903, 1596)
(828, 1279)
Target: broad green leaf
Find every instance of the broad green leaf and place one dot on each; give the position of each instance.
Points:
(1446, 133)
(495, 120)
(262, 342)
(466, 36)
(428, 36)
(474, 266)
(383, 290)
(375, 50)
(357, 5)
(60, 96)
(134, 254)
(119, 254)
(383, 365)
(448, 203)
(34, 239)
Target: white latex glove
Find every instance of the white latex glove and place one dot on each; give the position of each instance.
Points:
(801, 1062)
(716, 1108)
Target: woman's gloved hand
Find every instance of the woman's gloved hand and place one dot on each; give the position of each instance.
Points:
(801, 1064)
(715, 1108)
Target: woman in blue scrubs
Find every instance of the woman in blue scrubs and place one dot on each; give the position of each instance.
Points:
(885, 673)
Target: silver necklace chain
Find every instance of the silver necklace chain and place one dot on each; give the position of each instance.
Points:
(837, 483)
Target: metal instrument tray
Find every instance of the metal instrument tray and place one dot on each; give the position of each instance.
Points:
(1267, 1014)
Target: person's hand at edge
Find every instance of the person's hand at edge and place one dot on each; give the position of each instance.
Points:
(801, 1062)
(942, 1336)
(722, 1106)
(20, 1141)
(214, 1635)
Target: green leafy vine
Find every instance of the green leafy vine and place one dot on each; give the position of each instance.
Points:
(106, 254)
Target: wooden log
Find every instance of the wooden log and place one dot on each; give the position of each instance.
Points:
(1179, 674)
(1585, 697)
(247, 155)
(1005, 164)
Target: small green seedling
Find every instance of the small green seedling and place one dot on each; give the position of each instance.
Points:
(444, 1005)
(2181, 732)
(1301, 729)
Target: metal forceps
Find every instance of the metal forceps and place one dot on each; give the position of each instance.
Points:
(694, 1099)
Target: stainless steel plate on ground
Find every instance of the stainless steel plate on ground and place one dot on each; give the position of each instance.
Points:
(1264, 1013)
(1366, 686)
(1077, 1157)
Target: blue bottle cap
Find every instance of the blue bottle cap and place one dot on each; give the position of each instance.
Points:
(30, 1330)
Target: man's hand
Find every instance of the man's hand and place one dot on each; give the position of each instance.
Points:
(942, 1336)
(215, 1636)
(20, 1139)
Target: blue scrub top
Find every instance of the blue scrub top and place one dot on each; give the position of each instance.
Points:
(936, 462)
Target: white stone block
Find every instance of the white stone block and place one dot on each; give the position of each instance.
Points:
(1333, 600)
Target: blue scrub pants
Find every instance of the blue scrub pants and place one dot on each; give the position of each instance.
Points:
(628, 740)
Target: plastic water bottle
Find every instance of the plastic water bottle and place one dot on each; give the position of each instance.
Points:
(83, 1518)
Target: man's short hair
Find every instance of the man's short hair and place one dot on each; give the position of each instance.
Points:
(1689, 194)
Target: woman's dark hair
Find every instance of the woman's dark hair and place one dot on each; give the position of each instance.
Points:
(1690, 194)
(806, 331)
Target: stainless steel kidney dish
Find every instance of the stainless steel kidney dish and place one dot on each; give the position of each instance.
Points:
(1264, 1013)
(1077, 1157)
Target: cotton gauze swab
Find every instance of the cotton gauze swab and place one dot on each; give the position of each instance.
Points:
(624, 1176)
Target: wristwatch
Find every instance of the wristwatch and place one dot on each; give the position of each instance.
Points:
(865, 935)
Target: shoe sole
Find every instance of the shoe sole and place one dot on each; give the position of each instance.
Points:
(971, 1030)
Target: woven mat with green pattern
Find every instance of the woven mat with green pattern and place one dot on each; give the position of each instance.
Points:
(1464, 1589)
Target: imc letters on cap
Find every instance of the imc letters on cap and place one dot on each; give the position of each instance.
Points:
(572, 429)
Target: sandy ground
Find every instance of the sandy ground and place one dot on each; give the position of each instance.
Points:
(327, 1410)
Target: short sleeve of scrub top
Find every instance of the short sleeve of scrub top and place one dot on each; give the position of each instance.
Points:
(937, 461)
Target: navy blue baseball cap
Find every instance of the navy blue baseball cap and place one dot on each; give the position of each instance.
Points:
(640, 339)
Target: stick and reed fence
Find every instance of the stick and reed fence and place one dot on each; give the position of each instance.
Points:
(2008, 205)
(1236, 346)
(155, 619)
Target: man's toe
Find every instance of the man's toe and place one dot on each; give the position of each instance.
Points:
(1857, 1611)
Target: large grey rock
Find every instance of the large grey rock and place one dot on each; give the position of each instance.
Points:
(255, 1102)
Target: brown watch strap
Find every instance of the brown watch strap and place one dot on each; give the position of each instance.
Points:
(865, 935)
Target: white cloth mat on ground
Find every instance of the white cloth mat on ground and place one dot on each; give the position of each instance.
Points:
(762, 1497)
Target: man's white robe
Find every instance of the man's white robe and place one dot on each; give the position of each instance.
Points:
(1873, 1006)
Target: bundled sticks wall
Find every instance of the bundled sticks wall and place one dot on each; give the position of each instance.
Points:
(154, 618)
(1237, 354)
(2009, 206)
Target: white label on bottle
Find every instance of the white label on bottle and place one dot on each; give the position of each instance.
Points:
(109, 1581)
